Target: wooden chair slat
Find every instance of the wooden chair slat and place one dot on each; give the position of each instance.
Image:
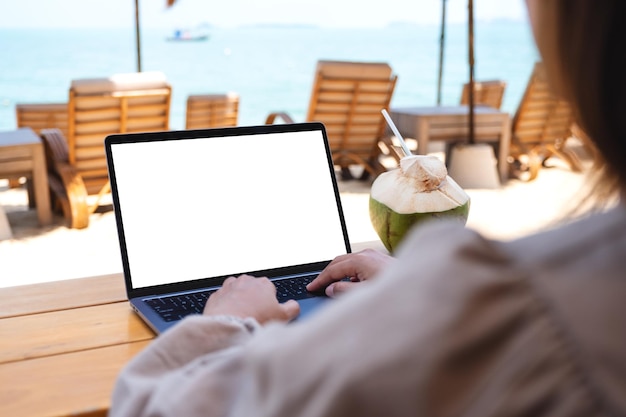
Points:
(212, 110)
(42, 116)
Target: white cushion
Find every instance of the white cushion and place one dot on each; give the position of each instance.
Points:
(355, 70)
(120, 82)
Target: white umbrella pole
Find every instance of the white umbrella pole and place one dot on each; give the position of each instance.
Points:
(474, 165)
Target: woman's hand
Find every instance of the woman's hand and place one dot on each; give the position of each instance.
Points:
(359, 266)
(247, 296)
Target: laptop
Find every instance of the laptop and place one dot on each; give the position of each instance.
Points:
(197, 206)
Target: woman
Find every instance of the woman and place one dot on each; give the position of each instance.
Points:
(456, 324)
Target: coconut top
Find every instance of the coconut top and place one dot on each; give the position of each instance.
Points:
(420, 185)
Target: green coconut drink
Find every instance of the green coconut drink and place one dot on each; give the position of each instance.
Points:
(419, 190)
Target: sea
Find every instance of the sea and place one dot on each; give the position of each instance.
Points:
(270, 67)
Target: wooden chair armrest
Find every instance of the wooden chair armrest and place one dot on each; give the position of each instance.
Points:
(273, 116)
(72, 179)
(72, 195)
(65, 182)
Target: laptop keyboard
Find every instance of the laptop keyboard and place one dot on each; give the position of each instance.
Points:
(293, 288)
(176, 307)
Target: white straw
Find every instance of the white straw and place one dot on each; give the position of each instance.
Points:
(395, 131)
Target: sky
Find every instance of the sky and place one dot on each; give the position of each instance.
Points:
(233, 13)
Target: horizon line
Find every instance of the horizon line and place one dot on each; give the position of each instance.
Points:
(268, 25)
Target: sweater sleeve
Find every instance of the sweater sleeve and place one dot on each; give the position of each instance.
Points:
(182, 365)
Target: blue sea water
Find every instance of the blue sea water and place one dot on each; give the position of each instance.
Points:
(271, 68)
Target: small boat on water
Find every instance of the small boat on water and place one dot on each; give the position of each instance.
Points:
(186, 35)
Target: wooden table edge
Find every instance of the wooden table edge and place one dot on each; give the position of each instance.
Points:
(61, 295)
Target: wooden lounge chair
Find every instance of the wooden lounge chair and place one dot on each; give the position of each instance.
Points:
(136, 102)
(487, 93)
(348, 97)
(541, 126)
(42, 116)
(212, 110)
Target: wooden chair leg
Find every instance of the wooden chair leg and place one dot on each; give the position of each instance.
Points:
(106, 189)
(73, 204)
(30, 190)
(525, 167)
(346, 174)
(14, 183)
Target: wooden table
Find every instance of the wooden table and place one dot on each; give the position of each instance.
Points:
(451, 124)
(63, 343)
(22, 154)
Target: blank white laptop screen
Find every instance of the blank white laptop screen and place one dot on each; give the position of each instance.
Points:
(200, 208)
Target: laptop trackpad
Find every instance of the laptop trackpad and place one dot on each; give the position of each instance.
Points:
(309, 305)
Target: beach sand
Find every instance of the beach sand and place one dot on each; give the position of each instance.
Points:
(39, 254)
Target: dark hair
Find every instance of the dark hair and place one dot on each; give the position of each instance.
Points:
(591, 37)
